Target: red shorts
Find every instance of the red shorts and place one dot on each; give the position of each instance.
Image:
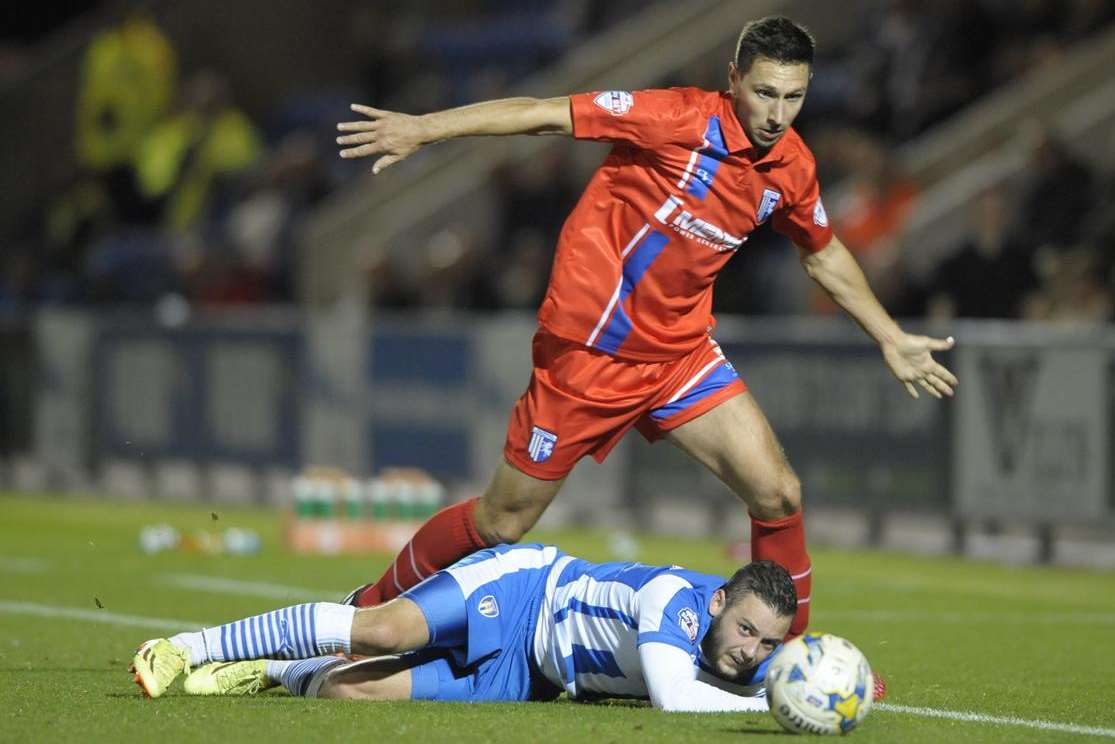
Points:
(581, 401)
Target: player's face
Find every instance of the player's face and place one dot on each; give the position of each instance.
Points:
(768, 97)
(741, 635)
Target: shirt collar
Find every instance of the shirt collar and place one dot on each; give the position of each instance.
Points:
(736, 139)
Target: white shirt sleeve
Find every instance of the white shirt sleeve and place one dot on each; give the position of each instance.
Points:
(673, 686)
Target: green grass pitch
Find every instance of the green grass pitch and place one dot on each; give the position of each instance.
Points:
(999, 642)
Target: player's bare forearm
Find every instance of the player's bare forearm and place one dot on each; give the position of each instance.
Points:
(908, 356)
(837, 272)
(394, 136)
(504, 116)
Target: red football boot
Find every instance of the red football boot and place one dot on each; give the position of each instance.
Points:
(880, 686)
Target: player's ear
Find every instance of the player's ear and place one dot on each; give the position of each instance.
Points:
(716, 604)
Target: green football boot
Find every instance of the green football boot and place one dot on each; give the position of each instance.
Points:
(157, 664)
(229, 678)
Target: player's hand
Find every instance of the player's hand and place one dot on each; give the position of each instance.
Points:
(392, 135)
(911, 361)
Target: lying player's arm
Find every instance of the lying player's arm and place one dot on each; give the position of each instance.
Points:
(673, 685)
(394, 136)
(908, 356)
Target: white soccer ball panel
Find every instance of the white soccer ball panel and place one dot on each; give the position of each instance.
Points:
(819, 684)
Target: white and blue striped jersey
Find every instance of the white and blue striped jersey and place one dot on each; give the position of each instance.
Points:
(595, 616)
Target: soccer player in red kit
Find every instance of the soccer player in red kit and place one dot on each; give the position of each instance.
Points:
(624, 337)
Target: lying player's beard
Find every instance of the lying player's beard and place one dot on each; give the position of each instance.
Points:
(712, 646)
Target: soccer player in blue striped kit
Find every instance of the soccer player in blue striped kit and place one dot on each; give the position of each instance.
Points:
(509, 623)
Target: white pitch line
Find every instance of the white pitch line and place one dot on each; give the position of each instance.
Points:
(113, 618)
(1039, 618)
(963, 715)
(249, 588)
(15, 564)
(97, 616)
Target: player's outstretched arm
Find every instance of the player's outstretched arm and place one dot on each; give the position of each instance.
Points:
(673, 686)
(394, 136)
(909, 357)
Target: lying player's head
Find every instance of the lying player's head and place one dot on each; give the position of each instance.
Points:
(769, 76)
(751, 614)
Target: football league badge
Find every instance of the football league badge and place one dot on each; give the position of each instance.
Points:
(689, 622)
(820, 216)
(767, 204)
(541, 445)
(615, 102)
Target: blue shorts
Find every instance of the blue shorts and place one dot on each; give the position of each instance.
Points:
(481, 613)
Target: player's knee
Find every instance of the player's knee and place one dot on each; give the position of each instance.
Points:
(780, 498)
(509, 529)
(506, 525)
(374, 630)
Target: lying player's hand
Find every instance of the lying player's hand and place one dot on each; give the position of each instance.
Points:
(910, 360)
(390, 134)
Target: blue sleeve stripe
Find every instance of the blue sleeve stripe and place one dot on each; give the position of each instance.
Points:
(257, 638)
(595, 661)
(311, 641)
(583, 608)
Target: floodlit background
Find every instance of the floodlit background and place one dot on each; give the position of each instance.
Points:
(199, 299)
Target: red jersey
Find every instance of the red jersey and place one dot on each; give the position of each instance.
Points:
(677, 196)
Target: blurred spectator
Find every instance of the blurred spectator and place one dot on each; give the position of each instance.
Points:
(260, 227)
(878, 200)
(517, 279)
(1057, 196)
(989, 276)
(1073, 288)
(194, 152)
(128, 78)
(77, 217)
(535, 194)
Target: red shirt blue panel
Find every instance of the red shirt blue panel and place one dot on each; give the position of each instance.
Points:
(677, 196)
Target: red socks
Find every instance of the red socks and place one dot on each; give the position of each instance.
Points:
(783, 541)
(444, 539)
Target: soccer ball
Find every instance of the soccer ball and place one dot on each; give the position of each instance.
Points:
(819, 684)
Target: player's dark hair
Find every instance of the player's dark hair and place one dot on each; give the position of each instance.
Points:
(774, 37)
(766, 580)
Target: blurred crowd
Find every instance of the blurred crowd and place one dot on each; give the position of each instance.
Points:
(178, 192)
(1037, 246)
(179, 196)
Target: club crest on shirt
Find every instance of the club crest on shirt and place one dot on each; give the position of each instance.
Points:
(488, 606)
(689, 622)
(767, 204)
(541, 444)
(820, 217)
(615, 102)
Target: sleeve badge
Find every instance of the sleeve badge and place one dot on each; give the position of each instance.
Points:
(689, 622)
(615, 102)
(820, 217)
